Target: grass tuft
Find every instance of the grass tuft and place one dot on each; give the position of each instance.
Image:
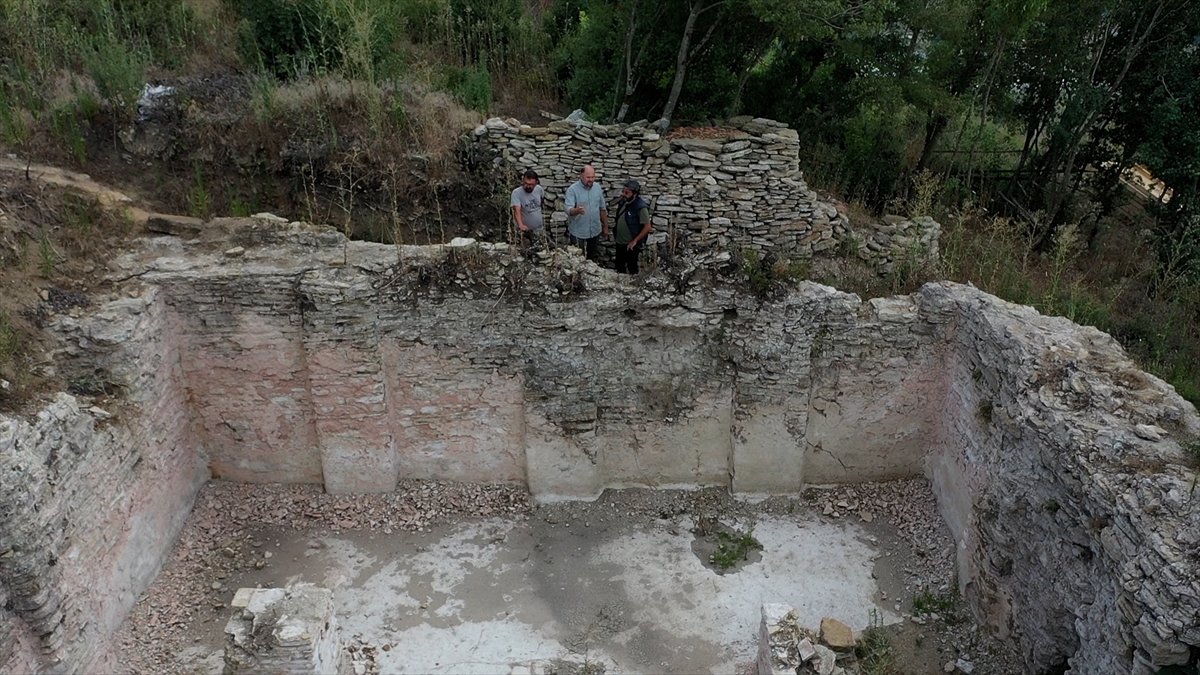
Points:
(734, 547)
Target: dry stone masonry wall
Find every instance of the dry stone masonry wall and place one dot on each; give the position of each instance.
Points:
(735, 187)
(91, 498)
(292, 355)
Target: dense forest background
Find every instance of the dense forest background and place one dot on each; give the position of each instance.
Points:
(1017, 123)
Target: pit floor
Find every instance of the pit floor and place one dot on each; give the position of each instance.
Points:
(614, 583)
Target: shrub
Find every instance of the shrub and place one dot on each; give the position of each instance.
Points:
(472, 87)
(874, 649)
(118, 71)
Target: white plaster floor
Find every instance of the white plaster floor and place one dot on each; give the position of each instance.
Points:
(517, 595)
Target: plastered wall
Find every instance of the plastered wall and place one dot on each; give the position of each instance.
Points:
(1057, 464)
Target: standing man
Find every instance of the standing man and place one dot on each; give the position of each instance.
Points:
(527, 206)
(632, 227)
(587, 214)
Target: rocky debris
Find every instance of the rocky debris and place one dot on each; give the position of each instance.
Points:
(910, 510)
(217, 542)
(786, 646)
(291, 631)
(360, 657)
(837, 635)
(896, 241)
(185, 227)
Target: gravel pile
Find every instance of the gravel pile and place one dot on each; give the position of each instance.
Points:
(910, 509)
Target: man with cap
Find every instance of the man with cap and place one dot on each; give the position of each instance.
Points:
(587, 214)
(632, 227)
(527, 206)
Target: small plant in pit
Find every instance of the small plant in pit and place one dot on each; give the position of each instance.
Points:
(733, 548)
(1192, 448)
(874, 650)
(927, 601)
(1051, 506)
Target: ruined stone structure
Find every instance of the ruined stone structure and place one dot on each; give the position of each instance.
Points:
(296, 356)
(284, 631)
(738, 187)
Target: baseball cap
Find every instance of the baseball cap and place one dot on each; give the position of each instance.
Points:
(633, 185)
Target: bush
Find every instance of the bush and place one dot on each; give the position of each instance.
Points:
(472, 87)
(118, 71)
(296, 38)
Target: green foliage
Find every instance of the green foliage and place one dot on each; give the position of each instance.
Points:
(48, 257)
(298, 38)
(1192, 448)
(874, 648)
(66, 127)
(984, 411)
(470, 86)
(1051, 506)
(733, 547)
(10, 343)
(199, 199)
(927, 601)
(118, 71)
(767, 274)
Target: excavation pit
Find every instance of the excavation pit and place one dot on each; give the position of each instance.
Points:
(280, 353)
(613, 583)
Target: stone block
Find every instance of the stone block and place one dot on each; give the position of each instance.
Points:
(289, 631)
(837, 635)
(185, 227)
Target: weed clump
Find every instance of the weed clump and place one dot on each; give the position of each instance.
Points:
(733, 547)
(768, 275)
(942, 603)
(874, 649)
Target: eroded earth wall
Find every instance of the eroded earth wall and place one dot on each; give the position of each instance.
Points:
(293, 355)
(91, 498)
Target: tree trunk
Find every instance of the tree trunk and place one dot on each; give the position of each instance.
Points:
(755, 57)
(935, 124)
(1059, 192)
(686, 53)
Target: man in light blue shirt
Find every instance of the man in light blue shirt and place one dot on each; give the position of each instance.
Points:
(587, 214)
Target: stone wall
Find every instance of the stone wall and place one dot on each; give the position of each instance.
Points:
(475, 362)
(1059, 471)
(735, 187)
(92, 498)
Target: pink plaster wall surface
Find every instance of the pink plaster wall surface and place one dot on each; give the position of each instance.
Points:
(454, 420)
(250, 393)
(874, 426)
(353, 429)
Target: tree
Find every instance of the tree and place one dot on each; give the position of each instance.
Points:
(688, 51)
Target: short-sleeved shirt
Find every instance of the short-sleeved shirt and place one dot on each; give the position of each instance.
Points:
(587, 224)
(621, 232)
(531, 205)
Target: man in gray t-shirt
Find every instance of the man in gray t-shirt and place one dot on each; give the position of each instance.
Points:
(587, 214)
(527, 205)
